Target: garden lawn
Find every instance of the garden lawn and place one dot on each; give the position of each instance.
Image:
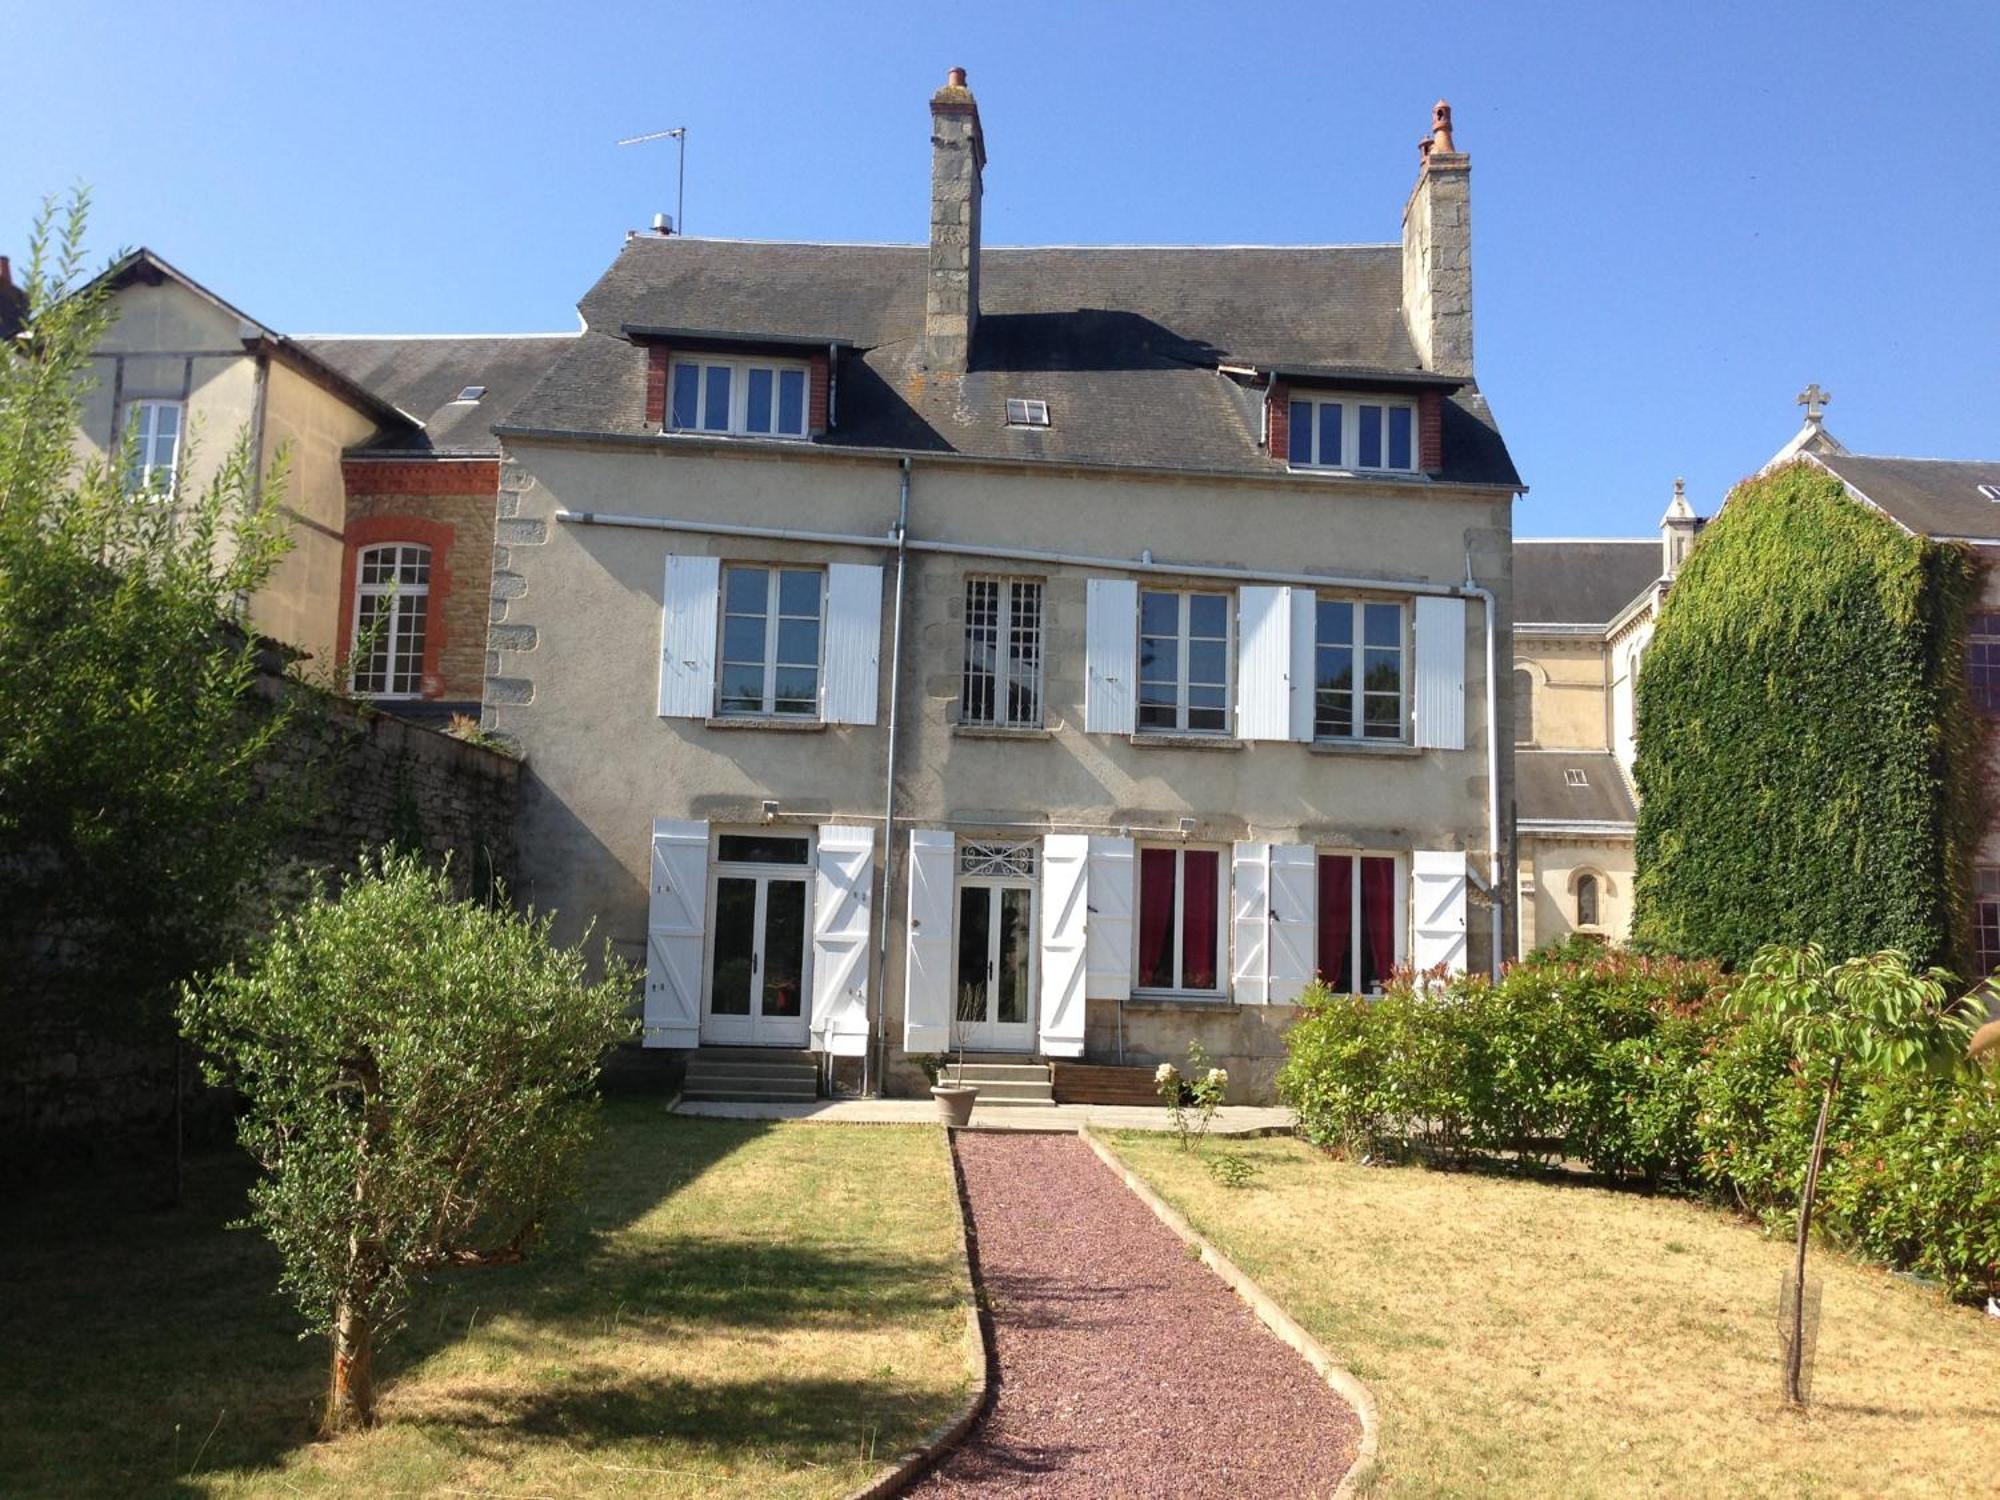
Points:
(1534, 1339)
(733, 1308)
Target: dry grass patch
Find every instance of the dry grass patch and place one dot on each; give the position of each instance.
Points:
(735, 1308)
(1530, 1339)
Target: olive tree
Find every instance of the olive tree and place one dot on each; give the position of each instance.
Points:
(1875, 1010)
(418, 1078)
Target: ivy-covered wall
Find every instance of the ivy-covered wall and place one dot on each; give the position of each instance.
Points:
(1807, 759)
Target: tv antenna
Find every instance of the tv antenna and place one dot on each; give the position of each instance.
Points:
(678, 133)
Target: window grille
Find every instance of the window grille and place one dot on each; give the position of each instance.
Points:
(1002, 682)
(997, 861)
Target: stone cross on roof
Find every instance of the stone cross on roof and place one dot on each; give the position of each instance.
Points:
(1814, 400)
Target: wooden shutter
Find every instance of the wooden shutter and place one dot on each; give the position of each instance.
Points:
(689, 602)
(1065, 875)
(676, 913)
(1263, 663)
(853, 647)
(1250, 922)
(1111, 656)
(1437, 908)
(1305, 662)
(1440, 674)
(1108, 923)
(846, 873)
(1294, 944)
(927, 966)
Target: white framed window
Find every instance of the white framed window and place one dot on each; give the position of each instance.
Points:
(771, 620)
(1586, 900)
(1361, 910)
(1002, 678)
(391, 602)
(1349, 431)
(1181, 920)
(1360, 670)
(750, 398)
(1186, 661)
(154, 429)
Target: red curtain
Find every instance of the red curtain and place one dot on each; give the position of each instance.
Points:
(1336, 912)
(1200, 915)
(1156, 919)
(1378, 921)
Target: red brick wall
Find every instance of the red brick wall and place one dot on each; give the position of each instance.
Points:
(658, 357)
(1430, 432)
(1278, 422)
(816, 397)
(448, 507)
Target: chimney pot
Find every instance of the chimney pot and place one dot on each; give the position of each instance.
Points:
(955, 78)
(1441, 127)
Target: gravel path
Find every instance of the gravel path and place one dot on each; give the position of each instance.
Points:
(1126, 1367)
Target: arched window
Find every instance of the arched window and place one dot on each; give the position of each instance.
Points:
(392, 597)
(1524, 706)
(1586, 900)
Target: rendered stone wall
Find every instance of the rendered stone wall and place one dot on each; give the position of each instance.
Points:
(83, 1080)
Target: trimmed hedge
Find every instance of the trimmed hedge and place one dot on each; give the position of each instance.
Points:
(1632, 1067)
(1806, 749)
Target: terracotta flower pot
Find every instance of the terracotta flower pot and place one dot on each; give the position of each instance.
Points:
(954, 1102)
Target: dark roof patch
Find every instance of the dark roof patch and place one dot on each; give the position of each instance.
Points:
(1125, 341)
(1581, 582)
(1931, 496)
(424, 376)
(1543, 790)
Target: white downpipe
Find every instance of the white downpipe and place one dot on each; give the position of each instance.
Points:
(903, 544)
(873, 1059)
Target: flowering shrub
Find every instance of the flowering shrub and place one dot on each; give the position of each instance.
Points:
(1202, 1092)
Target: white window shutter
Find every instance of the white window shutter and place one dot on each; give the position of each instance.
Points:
(688, 607)
(1305, 662)
(1294, 942)
(1108, 924)
(676, 918)
(1440, 674)
(1437, 901)
(1065, 922)
(846, 874)
(1250, 922)
(1111, 656)
(1263, 663)
(927, 967)
(853, 645)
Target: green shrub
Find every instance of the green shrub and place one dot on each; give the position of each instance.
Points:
(1806, 754)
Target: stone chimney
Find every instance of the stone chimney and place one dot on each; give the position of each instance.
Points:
(951, 292)
(1437, 252)
(1677, 531)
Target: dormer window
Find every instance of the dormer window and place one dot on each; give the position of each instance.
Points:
(1354, 432)
(746, 397)
(1022, 413)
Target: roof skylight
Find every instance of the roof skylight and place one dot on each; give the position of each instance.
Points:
(1573, 776)
(1021, 413)
(470, 393)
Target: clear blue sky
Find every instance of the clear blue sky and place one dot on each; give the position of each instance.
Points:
(1681, 214)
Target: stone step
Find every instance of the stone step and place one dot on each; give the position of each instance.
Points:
(751, 1070)
(1000, 1072)
(1032, 1093)
(987, 1101)
(752, 1095)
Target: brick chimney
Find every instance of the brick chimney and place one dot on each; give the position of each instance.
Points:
(951, 293)
(1437, 252)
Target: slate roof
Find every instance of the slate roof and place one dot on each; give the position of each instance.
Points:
(1931, 496)
(424, 374)
(1585, 581)
(1122, 342)
(1542, 792)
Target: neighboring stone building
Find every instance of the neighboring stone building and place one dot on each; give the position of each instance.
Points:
(1068, 652)
(391, 473)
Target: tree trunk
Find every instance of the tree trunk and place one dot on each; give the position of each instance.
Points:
(1795, 1356)
(350, 1402)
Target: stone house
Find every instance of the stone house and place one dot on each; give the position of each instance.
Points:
(392, 468)
(1063, 653)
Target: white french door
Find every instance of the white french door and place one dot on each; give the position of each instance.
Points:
(760, 955)
(996, 965)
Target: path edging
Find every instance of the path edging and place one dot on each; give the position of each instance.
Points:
(1268, 1312)
(979, 1348)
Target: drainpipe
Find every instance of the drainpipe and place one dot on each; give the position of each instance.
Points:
(1494, 866)
(875, 1060)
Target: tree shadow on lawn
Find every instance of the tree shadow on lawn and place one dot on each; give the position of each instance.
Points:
(145, 1345)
